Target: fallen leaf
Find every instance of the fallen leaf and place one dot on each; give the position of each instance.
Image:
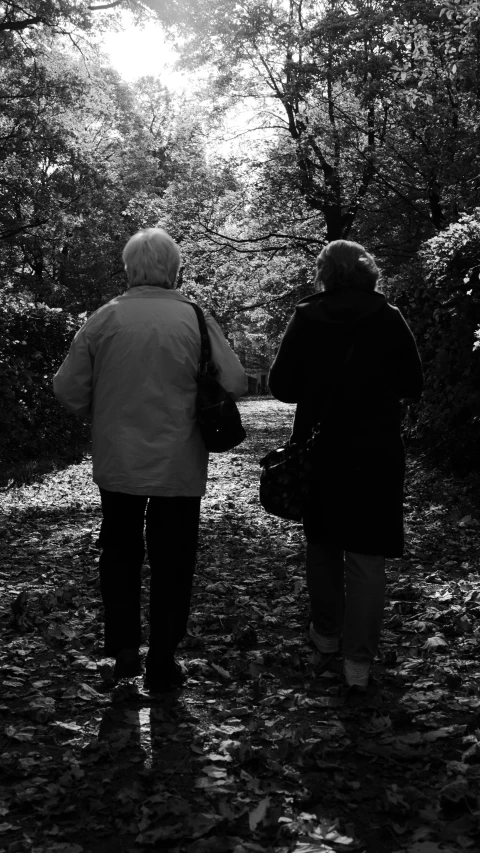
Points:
(258, 814)
(435, 642)
(223, 672)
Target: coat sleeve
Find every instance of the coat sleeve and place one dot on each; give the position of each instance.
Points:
(407, 373)
(285, 371)
(72, 384)
(231, 374)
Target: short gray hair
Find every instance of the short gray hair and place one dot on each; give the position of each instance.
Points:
(151, 257)
(344, 264)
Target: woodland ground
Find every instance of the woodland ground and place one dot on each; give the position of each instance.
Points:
(259, 752)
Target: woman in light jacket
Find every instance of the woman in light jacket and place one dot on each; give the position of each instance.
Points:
(132, 369)
(347, 359)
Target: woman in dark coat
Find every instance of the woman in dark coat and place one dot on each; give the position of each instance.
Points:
(347, 359)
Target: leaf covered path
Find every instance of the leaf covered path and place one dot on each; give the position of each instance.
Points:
(260, 752)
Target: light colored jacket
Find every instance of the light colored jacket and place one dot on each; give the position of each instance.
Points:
(132, 369)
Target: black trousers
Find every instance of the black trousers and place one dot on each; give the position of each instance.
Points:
(172, 535)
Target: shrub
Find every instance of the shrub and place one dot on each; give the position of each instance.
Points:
(34, 339)
(440, 297)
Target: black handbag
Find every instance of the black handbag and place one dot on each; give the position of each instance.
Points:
(217, 413)
(286, 475)
(285, 478)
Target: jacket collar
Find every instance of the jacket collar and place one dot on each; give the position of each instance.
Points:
(152, 291)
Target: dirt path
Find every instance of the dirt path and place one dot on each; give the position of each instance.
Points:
(259, 752)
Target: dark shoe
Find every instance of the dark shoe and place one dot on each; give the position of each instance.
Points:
(127, 664)
(160, 680)
(362, 697)
(355, 691)
(329, 663)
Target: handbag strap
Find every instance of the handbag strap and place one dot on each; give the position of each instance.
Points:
(205, 348)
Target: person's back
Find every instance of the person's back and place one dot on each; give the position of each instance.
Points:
(145, 346)
(347, 359)
(352, 359)
(132, 369)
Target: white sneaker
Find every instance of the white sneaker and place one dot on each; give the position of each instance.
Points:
(325, 645)
(356, 672)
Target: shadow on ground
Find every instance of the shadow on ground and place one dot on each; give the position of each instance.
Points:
(261, 751)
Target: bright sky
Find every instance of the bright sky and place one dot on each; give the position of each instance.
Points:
(137, 51)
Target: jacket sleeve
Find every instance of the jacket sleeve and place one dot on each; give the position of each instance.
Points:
(231, 374)
(72, 384)
(285, 371)
(407, 373)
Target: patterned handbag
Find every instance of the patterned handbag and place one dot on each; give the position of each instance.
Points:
(285, 478)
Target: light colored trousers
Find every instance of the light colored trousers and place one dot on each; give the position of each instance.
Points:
(347, 596)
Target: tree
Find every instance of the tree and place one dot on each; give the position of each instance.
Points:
(71, 156)
(61, 16)
(331, 75)
(437, 78)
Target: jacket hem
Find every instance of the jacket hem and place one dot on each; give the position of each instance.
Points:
(150, 491)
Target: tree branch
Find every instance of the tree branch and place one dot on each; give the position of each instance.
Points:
(234, 312)
(271, 235)
(4, 235)
(20, 25)
(105, 6)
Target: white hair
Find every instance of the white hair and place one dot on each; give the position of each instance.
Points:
(151, 257)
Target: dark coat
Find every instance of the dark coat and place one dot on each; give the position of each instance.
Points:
(347, 359)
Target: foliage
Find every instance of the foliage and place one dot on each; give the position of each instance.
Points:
(33, 342)
(441, 299)
(62, 16)
(73, 154)
(378, 115)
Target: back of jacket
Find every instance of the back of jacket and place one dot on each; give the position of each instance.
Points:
(347, 359)
(132, 368)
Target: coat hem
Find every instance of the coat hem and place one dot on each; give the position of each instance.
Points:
(150, 491)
